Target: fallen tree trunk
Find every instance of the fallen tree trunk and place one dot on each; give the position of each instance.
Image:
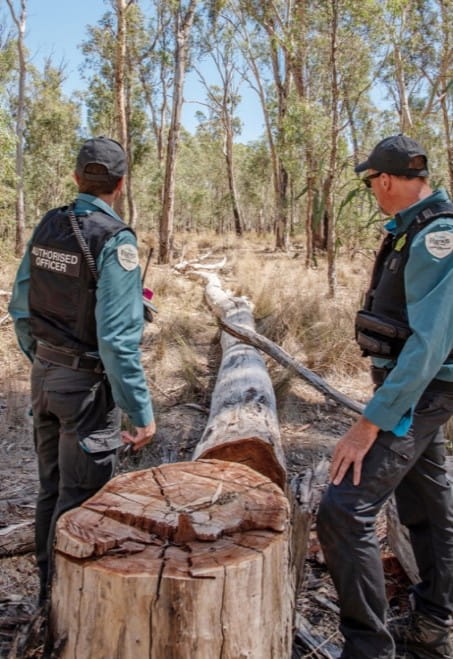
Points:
(398, 536)
(248, 335)
(180, 561)
(242, 424)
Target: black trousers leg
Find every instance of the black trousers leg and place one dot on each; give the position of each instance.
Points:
(346, 521)
(71, 410)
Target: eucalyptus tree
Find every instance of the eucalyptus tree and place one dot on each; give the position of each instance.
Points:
(19, 16)
(114, 101)
(217, 40)
(151, 57)
(8, 61)
(415, 64)
(121, 127)
(52, 130)
(265, 49)
(436, 64)
(183, 14)
(255, 51)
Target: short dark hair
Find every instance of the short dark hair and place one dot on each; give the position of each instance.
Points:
(99, 187)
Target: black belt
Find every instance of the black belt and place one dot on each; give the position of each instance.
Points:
(76, 362)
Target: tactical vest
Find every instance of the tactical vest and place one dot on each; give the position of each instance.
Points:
(382, 325)
(62, 294)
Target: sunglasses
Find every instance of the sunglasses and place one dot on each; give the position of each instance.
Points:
(367, 179)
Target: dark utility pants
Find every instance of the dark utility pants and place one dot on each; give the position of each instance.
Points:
(77, 432)
(413, 467)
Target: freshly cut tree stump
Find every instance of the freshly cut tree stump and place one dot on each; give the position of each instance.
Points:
(186, 560)
(243, 424)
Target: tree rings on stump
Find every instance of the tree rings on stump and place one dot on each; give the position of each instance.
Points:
(186, 560)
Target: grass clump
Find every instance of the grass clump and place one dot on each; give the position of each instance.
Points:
(291, 305)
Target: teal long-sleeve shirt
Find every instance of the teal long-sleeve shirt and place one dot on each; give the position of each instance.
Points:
(428, 278)
(119, 318)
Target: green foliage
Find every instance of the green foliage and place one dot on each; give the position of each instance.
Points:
(381, 47)
(51, 140)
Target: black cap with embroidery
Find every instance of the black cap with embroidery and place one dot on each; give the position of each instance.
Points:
(393, 155)
(102, 151)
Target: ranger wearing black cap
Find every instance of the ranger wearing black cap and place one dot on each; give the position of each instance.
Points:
(397, 446)
(78, 314)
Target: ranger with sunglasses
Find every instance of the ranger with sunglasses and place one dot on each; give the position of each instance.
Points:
(397, 446)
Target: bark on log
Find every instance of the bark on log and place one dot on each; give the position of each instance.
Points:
(242, 424)
(398, 536)
(304, 496)
(180, 561)
(17, 539)
(251, 337)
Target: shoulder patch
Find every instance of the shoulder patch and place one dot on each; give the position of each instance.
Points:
(128, 256)
(439, 243)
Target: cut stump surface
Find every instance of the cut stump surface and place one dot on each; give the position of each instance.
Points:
(183, 560)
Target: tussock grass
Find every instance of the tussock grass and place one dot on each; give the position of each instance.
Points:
(293, 309)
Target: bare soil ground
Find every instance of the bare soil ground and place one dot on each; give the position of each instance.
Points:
(182, 374)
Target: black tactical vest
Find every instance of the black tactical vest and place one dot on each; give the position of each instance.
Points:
(62, 294)
(383, 318)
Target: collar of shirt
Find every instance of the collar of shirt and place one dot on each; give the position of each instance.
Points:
(87, 202)
(400, 223)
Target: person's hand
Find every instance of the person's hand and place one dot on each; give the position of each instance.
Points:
(141, 437)
(351, 450)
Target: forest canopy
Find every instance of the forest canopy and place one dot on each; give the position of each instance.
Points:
(331, 77)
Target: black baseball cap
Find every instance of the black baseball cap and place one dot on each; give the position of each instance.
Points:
(392, 156)
(102, 151)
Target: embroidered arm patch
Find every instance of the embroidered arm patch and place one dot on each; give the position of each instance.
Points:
(128, 256)
(439, 243)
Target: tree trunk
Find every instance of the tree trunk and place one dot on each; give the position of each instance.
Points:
(404, 109)
(228, 153)
(132, 206)
(182, 28)
(120, 93)
(330, 181)
(20, 22)
(446, 50)
(180, 561)
(309, 247)
(242, 424)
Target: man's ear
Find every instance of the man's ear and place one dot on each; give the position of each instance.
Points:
(119, 187)
(76, 178)
(386, 181)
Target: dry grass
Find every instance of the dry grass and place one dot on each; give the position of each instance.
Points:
(292, 307)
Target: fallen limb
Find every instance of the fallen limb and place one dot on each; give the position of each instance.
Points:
(282, 357)
(305, 638)
(184, 266)
(17, 539)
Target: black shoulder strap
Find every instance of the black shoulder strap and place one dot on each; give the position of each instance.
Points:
(82, 242)
(441, 209)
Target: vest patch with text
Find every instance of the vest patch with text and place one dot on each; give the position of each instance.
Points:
(56, 260)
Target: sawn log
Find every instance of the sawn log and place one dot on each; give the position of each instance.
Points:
(242, 424)
(184, 560)
(248, 335)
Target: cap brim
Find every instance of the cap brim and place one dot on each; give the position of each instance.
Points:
(362, 167)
